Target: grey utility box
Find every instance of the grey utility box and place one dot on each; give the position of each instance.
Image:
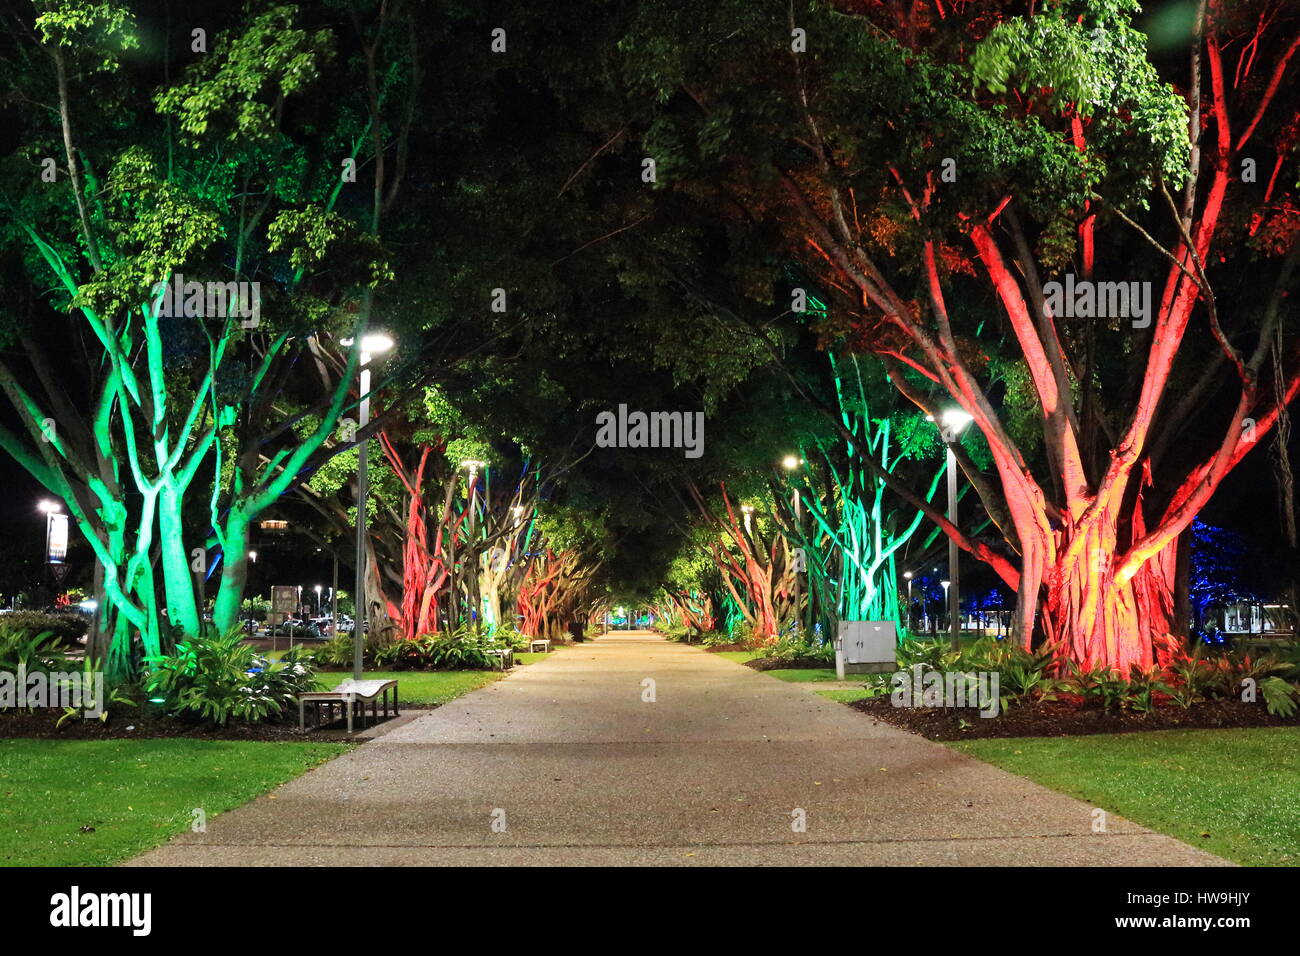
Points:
(866, 647)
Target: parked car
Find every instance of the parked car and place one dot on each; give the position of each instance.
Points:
(298, 630)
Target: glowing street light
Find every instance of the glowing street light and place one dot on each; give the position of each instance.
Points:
(372, 343)
(318, 589)
(907, 575)
(252, 556)
(50, 507)
(790, 463)
(953, 421)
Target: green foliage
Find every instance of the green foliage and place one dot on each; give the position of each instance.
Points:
(508, 635)
(61, 628)
(1099, 685)
(461, 649)
(799, 647)
(222, 677)
(1143, 685)
(1022, 674)
(33, 653)
(742, 635)
(241, 83)
(1279, 696)
(676, 632)
(1191, 680)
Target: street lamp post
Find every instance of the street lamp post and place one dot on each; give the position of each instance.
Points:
(908, 577)
(472, 466)
(790, 463)
(372, 344)
(51, 508)
(953, 421)
(318, 608)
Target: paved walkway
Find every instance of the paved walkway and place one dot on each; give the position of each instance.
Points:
(581, 770)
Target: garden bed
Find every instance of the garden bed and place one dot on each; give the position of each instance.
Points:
(1067, 716)
(150, 724)
(787, 663)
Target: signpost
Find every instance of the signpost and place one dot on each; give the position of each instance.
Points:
(284, 602)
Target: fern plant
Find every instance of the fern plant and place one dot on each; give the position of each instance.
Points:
(1279, 696)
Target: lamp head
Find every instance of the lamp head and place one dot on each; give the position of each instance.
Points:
(372, 343)
(791, 462)
(50, 507)
(954, 420)
(908, 575)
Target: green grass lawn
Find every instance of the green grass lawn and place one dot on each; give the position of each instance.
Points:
(98, 802)
(846, 696)
(1231, 792)
(421, 688)
(738, 656)
(802, 675)
(429, 688)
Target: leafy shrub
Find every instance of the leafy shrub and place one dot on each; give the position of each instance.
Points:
(1143, 685)
(1230, 670)
(1021, 674)
(221, 677)
(1279, 696)
(796, 647)
(508, 635)
(723, 639)
(1288, 659)
(742, 634)
(461, 649)
(676, 632)
(65, 627)
(1100, 685)
(931, 653)
(337, 651)
(32, 652)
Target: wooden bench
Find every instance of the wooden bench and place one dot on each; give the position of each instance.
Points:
(545, 645)
(350, 693)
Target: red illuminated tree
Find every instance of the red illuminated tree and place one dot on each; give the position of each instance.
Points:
(935, 166)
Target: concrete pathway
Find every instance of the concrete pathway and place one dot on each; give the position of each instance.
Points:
(563, 762)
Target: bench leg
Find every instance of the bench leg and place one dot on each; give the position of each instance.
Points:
(351, 706)
(396, 711)
(302, 716)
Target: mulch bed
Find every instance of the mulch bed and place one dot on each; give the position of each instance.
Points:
(779, 663)
(151, 724)
(1067, 717)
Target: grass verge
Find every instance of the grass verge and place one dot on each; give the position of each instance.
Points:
(99, 802)
(1231, 792)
